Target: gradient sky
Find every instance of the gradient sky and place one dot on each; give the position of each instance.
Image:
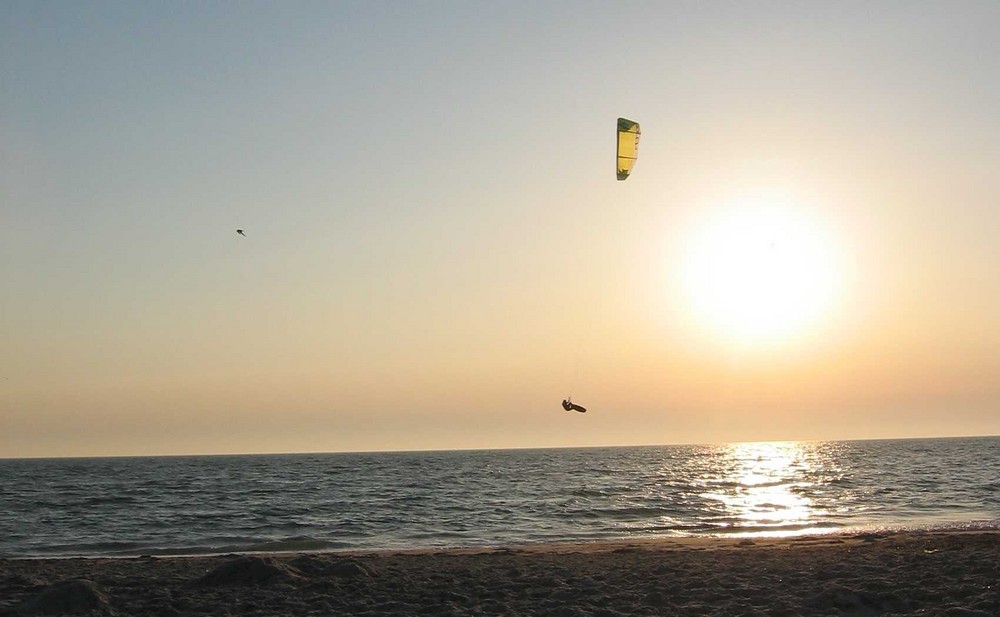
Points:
(437, 249)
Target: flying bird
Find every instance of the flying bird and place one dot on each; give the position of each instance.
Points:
(240, 231)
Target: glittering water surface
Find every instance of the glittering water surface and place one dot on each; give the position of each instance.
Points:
(204, 504)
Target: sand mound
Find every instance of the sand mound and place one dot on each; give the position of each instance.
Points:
(314, 566)
(349, 568)
(246, 570)
(73, 597)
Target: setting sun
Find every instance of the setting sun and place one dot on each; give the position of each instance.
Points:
(760, 270)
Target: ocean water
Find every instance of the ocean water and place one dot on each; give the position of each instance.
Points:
(213, 504)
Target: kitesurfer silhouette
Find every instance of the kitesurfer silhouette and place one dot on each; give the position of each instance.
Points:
(568, 405)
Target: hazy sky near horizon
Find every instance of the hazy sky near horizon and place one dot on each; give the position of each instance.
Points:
(437, 250)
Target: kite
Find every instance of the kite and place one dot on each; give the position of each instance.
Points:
(628, 146)
(240, 231)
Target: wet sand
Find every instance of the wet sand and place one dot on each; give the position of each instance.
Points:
(956, 574)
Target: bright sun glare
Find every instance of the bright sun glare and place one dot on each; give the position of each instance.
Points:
(761, 270)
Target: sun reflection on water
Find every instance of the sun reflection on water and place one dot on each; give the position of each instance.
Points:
(762, 489)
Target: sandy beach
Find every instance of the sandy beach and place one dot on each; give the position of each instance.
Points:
(912, 573)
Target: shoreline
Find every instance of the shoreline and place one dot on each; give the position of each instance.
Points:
(951, 572)
(973, 526)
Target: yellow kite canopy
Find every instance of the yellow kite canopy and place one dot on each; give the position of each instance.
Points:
(628, 146)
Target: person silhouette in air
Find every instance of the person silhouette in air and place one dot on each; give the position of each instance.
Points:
(568, 405)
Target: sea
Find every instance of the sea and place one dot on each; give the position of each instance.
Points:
(487, 498)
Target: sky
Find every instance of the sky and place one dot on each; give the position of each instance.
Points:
(438, 252)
